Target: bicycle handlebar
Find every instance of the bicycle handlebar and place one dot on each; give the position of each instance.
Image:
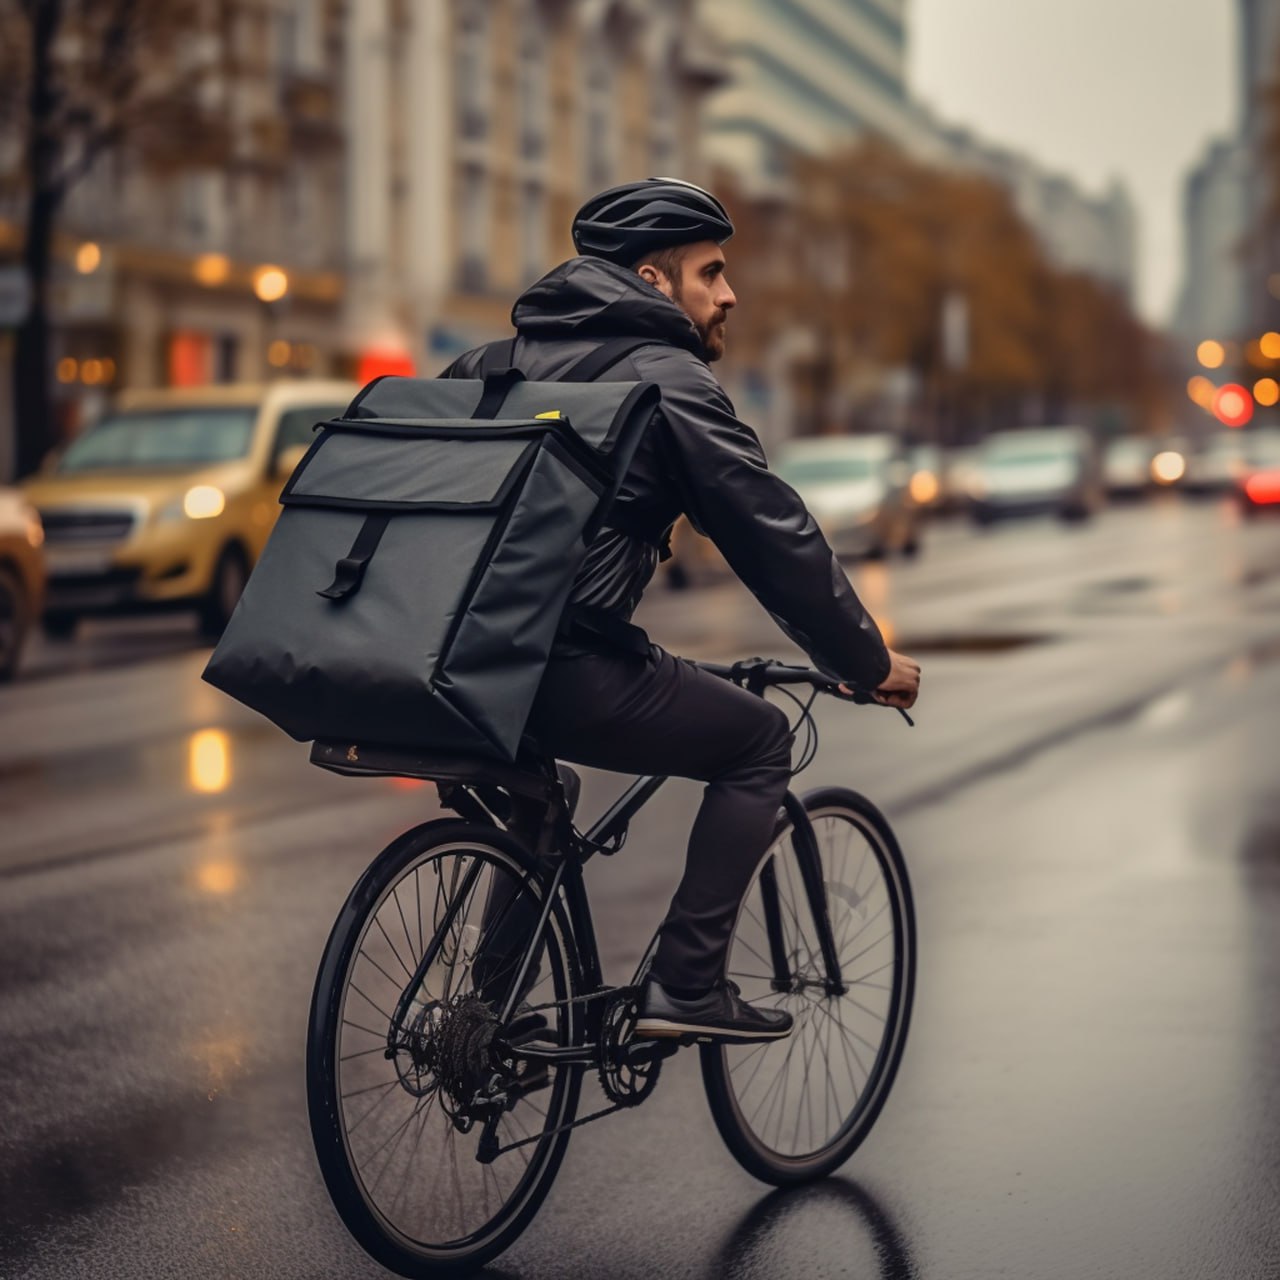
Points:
(758, 674)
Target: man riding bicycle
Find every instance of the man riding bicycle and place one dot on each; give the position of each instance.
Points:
(652, 269)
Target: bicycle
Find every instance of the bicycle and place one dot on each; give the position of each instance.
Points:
(447, 1047)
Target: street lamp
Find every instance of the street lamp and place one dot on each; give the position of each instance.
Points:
(270, 284)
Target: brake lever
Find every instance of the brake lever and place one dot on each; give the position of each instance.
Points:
(864, 699)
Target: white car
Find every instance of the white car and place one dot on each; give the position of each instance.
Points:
(1047, 469)
(858, 490)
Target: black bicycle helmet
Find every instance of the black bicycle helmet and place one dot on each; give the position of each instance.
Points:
(626, 222)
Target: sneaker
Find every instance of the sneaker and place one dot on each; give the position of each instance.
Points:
(719, 1015)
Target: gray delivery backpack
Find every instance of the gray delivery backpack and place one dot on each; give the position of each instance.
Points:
(412, 588)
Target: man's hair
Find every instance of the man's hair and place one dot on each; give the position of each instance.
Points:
(670, 261)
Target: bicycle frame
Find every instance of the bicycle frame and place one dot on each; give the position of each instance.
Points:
(567, 879)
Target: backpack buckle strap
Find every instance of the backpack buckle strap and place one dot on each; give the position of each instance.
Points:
(348, 573)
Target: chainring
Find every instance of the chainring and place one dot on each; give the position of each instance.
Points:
(625, 1080)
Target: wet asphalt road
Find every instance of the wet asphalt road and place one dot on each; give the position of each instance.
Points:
(1091, 811)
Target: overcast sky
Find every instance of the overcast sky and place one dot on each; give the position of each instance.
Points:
(1094, 88)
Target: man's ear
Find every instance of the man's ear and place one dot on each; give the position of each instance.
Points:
(651, 275)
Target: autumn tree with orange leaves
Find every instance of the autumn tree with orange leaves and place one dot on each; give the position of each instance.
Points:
(862, 259)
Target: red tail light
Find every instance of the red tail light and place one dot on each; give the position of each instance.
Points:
(1263, 488)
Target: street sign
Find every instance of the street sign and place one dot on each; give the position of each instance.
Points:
(15, 296)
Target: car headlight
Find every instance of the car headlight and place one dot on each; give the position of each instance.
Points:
(33, 527)
(200, 502)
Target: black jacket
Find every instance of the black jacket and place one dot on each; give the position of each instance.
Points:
(698, 459)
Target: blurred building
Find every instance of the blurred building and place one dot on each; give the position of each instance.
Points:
(499, 117)
(360, 187)
(807, 77)
(1215, 210)
(1231, 261)
(1079, 232)
(209, 247)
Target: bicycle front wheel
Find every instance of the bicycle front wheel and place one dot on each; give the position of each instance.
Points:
(795, 1109)
(401, 1075)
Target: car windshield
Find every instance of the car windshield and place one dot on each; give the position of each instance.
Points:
(825, 470)
(1127, 449)
(1028, 455)
(162, 438)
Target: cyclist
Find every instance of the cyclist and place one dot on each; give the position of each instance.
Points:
(651, 268)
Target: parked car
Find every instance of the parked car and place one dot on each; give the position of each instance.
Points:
(858, 490)
(1258, 485)
(1048, 469)
(1218, 464)
(22, 577)
(167, 502)
(1126, 465)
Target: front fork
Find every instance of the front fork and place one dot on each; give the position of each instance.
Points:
(815, 892)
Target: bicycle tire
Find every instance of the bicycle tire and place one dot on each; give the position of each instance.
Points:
(735, 1108)
(376, 1223)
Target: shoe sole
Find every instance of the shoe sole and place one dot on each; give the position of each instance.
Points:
(662, 1028)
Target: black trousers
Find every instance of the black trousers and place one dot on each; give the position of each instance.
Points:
(661, 715)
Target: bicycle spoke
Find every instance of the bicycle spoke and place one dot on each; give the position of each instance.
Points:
(408, 973)
(372, 1002)
(398, 985)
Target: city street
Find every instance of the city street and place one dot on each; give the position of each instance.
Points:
(1090, 812)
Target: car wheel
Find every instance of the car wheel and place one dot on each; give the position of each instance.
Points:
(911, 542)
(59, 625)
(15, 622)
(229, 577)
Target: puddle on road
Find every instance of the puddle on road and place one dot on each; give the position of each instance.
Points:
(975, 643)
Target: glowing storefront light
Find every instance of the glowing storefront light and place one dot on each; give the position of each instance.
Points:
(1211, 354)
(1201, 390)
(88, 258)
(270, 284)
(211, 269)
(209, 761)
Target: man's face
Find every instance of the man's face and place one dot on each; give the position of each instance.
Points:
(701, 292)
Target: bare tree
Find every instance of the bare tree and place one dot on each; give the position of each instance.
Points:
(79, 78)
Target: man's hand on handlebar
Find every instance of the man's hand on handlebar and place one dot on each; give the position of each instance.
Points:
(902, 685)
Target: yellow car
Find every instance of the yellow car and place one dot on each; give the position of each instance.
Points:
(21, 577)
(167, 502)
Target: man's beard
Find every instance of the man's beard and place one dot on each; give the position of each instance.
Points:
(712, 336)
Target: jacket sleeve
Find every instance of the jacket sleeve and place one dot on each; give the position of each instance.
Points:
(760, 524)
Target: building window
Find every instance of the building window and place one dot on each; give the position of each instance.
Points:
(600, 117)
(473, 223)
(473, 69)
(532, 88)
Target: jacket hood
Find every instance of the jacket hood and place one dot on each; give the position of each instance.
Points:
(591, 297)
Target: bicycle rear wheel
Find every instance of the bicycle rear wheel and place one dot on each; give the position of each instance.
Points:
(390, 1109)
(793, 1110)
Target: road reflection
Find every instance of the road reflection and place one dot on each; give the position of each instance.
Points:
(209, 761)
(836, 1217)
